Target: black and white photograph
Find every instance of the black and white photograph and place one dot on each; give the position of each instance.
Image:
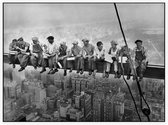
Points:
(83, 62)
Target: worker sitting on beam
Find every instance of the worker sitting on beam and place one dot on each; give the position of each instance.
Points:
(88, 54)
(63, 54)
(13, 52)
(23, 54)
(51, 53)
(99, 56)
(75, 54)
(112, 57)
(36, 53)
(139, 59)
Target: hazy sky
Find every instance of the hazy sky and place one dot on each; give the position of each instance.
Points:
(38, 15)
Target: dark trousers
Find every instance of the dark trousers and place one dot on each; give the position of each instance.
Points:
(64, 60)
(23, 59)
(98, 61)
(127, 69)
(35, 61)
(91, 63)
(12, 58)
(77, 64)
(51, 61)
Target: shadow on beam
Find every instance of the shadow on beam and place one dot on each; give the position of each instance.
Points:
(152, 71)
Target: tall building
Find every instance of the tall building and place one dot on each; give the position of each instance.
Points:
(64, 106)
(108, 107)
(118, 106)
(83, 103)
(98, 106)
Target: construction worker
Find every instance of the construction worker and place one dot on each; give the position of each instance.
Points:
(113, 52)
(140, 59)
(45, 55)
(52, 55)
(99, 55)
(63, 54)
(36, 53)
(88, 54)
(13, 52)
(76, 52)
(125, 52)
(24, 53)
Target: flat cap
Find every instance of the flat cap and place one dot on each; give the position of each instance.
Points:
(14, 40)
(114, 42)
(50, 37)
(20, 39)
(138, 41)
(85, 40)
(75, 42)
(35, 38)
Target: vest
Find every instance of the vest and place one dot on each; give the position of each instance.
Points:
(62, 51)
(113, 52)
(139, 55)
(37, 48)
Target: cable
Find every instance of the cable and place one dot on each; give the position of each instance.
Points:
(129, 89)
(145, 111)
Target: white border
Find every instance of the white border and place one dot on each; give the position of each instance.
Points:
(62, 123)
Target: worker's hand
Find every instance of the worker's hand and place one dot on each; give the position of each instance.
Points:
(17, 47)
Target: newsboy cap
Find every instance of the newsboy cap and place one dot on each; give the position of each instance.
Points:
(138, 41)
(85, 40)
(50, 37)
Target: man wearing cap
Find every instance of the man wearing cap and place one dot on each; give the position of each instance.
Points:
(24, 52)
(88, 54)
(63, 54)
(36, 53)
(140, 58)
(79, 61)
(52, 56)
(113, 52)
(13, 52)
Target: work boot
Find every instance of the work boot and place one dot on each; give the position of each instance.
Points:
(128, 77)
(106, 74)
(119, 75)
(21, 69)
(54, 71)
(50, 71)
(43, 70)
(70, 70)
(14, 66)
(78, 71)
(90, 72)
(35, 67)
(81, 72)
(115, 75)
(65, 72)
